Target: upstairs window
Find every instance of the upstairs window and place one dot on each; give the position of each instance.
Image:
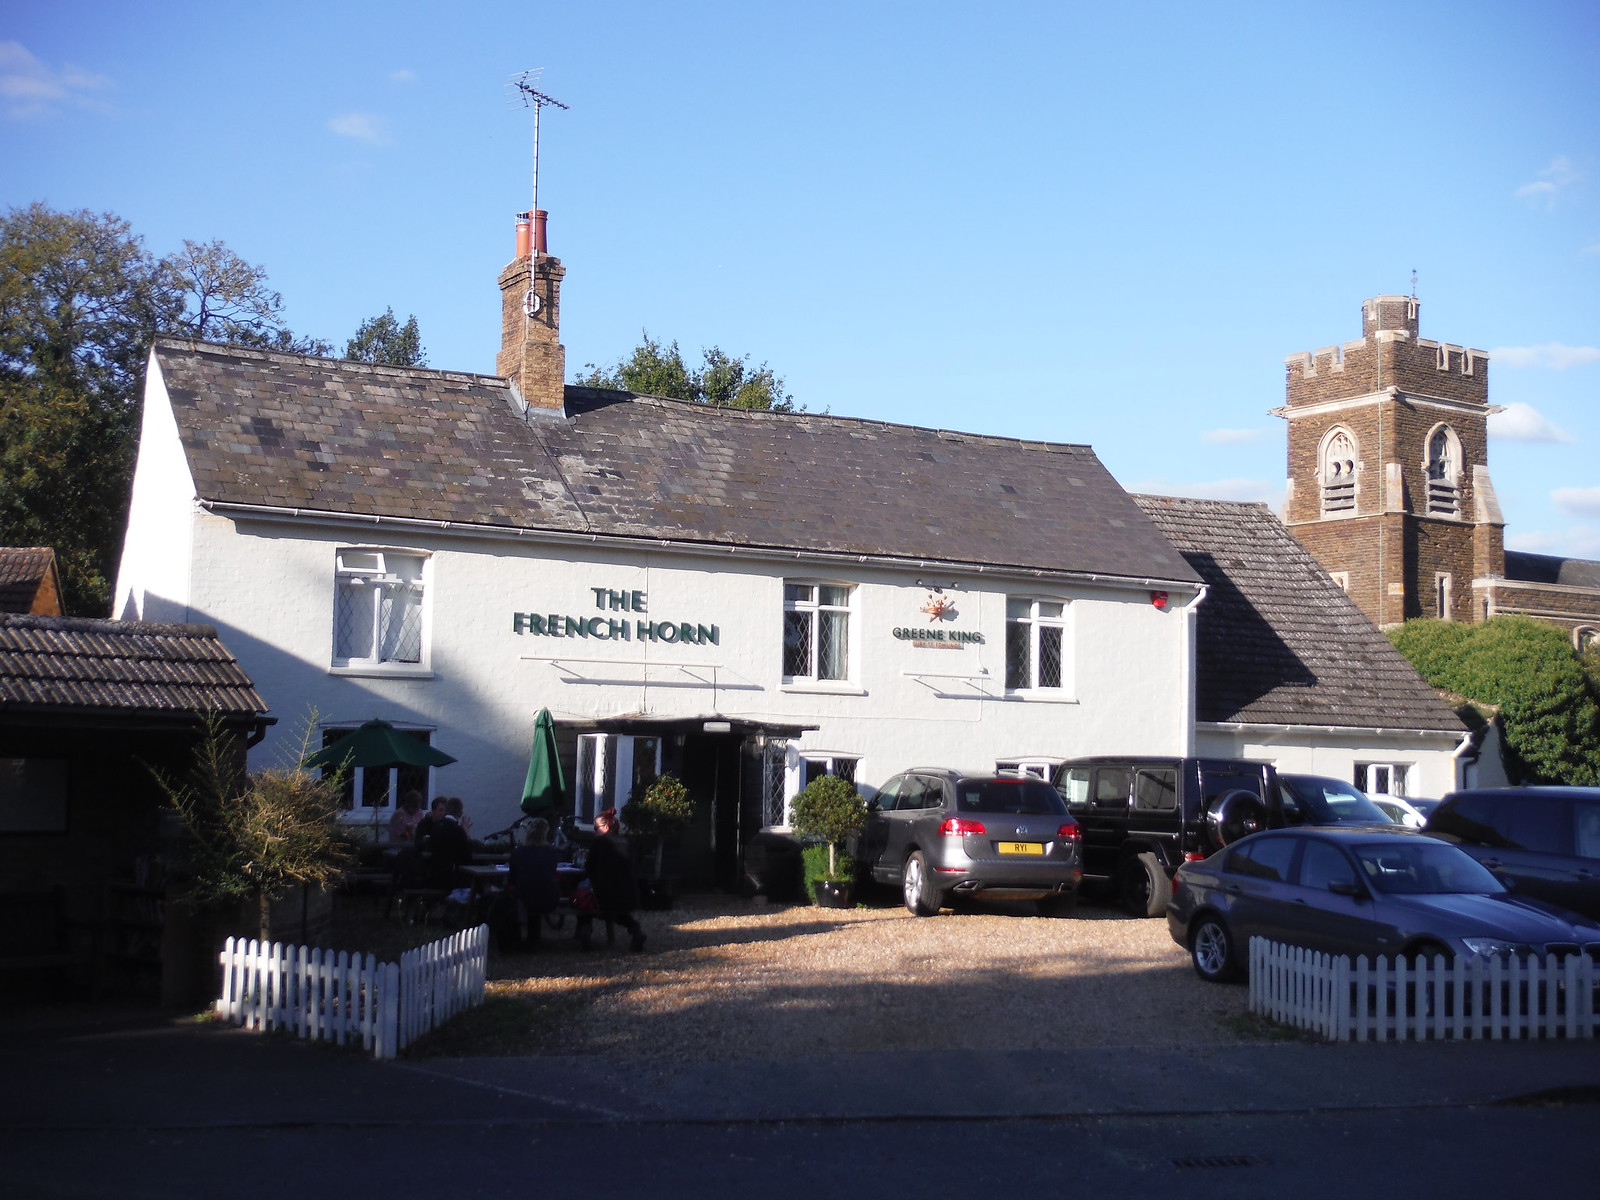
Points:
(816, 631)
(1035, 644)
(377, 612)
(1337, 471)
(1444, 472)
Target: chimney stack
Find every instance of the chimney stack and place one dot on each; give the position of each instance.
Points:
(531, 355)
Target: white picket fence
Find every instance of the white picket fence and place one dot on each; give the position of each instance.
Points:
(339, 997)
(1386, 1000)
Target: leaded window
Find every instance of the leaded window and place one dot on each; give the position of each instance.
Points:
(816, 631)
(377, 615)
(1035, 643)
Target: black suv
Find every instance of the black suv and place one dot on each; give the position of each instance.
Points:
(938, 834)
(1143, 818)
(1544, 839)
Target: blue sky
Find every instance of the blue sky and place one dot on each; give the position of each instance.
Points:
(1075, 222)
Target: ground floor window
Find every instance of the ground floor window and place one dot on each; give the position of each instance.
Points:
(1027, 768)
(33, 795)
(613, 768)
(376, 791)
(1386, 779)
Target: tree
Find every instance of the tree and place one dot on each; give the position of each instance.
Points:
(226, 299)
(80, 300)
(1529, 671)
(722, 380)
(384, 340)
(828, 808)
(251, 838)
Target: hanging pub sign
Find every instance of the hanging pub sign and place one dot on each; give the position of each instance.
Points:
(631, 625)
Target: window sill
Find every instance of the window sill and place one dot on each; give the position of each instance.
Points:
(1034, 696)
(384, 671)
(825, 687)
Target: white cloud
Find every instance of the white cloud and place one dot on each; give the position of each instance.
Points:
(1254, 490)
(29, 88)
(1552, 181)
(1577, 501)
(363, 127)
(403, 75)
(1524, 423)
(1552, 355)
(1577, 541)
(1236, 437)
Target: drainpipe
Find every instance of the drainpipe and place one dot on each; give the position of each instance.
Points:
(1191, 625)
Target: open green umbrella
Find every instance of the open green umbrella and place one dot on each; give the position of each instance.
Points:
(378, 744)
(544, 790)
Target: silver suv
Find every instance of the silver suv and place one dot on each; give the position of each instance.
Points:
(937, 834)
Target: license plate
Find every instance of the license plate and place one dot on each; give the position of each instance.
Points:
(1019, 848)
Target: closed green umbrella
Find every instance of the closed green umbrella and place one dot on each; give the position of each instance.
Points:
(378, 744)
(544, 790)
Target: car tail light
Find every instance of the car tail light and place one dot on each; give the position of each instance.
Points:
(1070, 832)
(1194, 856)
(960, 827)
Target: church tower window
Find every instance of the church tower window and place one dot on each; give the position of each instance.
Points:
(1444, 472)
(1338, 473)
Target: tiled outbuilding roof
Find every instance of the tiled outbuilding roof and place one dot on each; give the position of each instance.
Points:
(25, 572)
(1523, 567)
(1279, 641)
(326, 435)
(118, 668)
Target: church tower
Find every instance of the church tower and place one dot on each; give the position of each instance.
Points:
(1389, 468)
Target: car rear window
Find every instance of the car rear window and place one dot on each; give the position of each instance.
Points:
(1021, 796)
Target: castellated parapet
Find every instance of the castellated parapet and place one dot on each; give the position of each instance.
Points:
(1389, 355)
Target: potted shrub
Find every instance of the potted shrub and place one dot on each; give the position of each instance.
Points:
(830, 809)
(654, 823)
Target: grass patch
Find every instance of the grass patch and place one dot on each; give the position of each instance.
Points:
(511, 1020)
(1252, 1027)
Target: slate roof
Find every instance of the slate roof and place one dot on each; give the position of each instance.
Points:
(118, 668)
(1547, 568)
(1279, 641)
(321, 434)
(23, 571)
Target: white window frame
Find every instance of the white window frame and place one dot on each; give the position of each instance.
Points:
(816, 607)
(799, 761)
(363, 567)
(605, 770)
(379, 814)
(1382, 778)
(1028, 768)
(1036, 621)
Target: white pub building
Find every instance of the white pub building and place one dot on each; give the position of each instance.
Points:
(743, 599)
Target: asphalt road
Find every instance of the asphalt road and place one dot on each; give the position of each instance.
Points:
(149, 1108)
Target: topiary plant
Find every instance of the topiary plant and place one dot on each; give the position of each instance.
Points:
(831, 809)
(664, 808)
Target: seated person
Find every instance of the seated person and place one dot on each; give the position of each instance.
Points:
(531, 889)
(448, 848)
(403, 825)
(423, 833)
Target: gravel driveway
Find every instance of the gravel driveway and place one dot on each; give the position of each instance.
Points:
(724, 978)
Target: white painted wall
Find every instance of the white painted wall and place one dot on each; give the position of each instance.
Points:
(153, 577)
(1430, 758)
(268, 586)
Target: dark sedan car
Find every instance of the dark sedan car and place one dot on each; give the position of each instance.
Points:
(1545, 840)
(937, 833)
(1358, 891)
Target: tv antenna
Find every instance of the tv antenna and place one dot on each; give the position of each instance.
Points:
(521, 93)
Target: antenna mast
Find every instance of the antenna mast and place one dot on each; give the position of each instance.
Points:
(522, 94)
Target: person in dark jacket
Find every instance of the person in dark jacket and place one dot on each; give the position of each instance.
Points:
(616, 890)
(531, 890)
